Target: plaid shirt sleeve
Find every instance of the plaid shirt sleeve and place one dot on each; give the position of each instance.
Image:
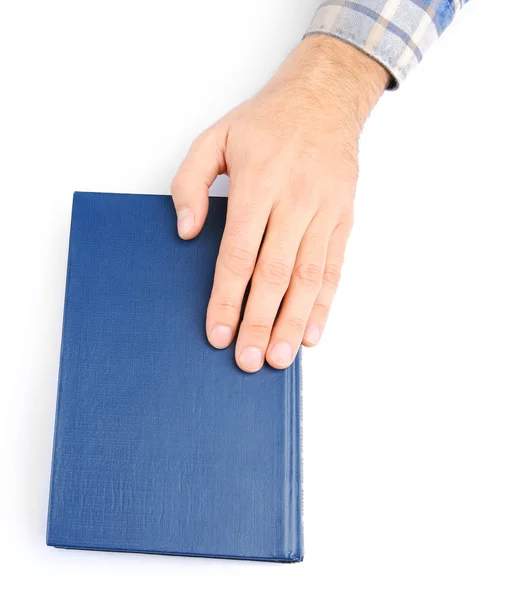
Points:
(395, 32)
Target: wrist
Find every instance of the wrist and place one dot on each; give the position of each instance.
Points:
(336, 74)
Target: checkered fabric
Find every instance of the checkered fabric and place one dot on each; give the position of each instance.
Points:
(396, 33)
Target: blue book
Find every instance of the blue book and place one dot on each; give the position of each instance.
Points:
(162, 444)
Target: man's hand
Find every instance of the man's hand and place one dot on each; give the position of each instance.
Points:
(291, 154)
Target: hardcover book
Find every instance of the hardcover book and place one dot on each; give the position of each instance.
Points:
(162, 444)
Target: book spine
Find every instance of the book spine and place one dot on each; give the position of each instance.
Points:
(293, 544)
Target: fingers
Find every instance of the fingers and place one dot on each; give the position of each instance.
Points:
(190, 187)
(270, 282)
(293, 279)
(247, 216)
(305, 285)
(331, 279)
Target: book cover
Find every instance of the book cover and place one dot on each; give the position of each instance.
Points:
(162, 444)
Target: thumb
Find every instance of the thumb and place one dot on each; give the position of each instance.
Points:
(190, 187)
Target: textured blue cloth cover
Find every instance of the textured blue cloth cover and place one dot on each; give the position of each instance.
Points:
(162, 444)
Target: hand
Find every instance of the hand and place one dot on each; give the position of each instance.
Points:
(291, 154)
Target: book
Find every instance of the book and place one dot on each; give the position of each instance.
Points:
(162, 444)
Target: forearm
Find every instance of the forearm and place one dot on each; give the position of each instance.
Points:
(396, 33)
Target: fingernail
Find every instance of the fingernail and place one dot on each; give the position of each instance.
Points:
(281, 353)
(221, 336)
(313, 334)
(185, 221)
(251, 358)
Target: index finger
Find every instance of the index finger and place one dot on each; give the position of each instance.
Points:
(247, 217)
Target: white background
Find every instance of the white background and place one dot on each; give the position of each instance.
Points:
(407, 400)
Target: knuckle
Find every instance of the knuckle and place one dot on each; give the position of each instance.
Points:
(309, 275)
(322, 309)
(301, 189)
(263, 173)
(332, 275)
(257, 328)
(295, 324)
(275, 273)
(228, 305)
(239, 261)
(225, 304)
(262, 165)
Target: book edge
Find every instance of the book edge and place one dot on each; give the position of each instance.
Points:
(293, 527)
(274, 559)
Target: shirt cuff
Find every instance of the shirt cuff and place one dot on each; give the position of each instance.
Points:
(396, 33)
